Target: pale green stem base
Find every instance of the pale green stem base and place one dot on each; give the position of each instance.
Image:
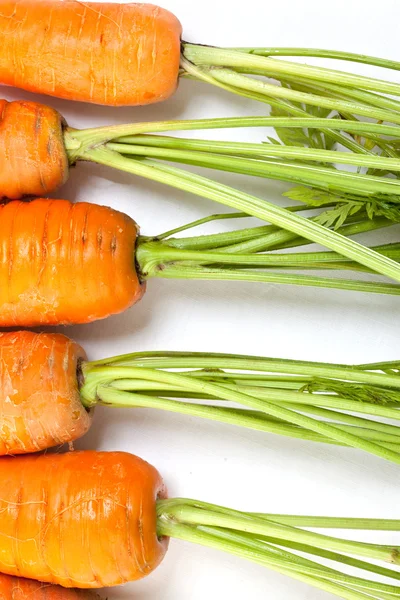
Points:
(263, 539)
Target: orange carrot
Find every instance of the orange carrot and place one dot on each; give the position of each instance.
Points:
(81, 519)
(41, 405)
(114, 54)
(127, 54)
(31, 142)
(18, 588)
(65, 263)
(48, 391)
(93, 519)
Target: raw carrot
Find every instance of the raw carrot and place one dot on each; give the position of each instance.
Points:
(47, 501)
(93, 519)
(18, 588)
(31, 143)
(48, 138)
(114, 54)
(39, 392)
(48, 391)
(365, 203)
(64, 263)
(127, 54)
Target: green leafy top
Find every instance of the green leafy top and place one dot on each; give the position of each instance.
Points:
(346, 205)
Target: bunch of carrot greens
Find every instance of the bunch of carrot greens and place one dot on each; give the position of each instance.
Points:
(319, 119)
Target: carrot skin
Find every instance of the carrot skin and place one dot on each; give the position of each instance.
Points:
(39, 395)
(18, 588)
(80, 519)
(64, 263)
(33, 158)
(112, 54)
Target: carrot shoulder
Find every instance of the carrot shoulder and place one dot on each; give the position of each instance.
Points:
(81, 519)
(113, 54)
(18, 588)
(63, 263)
(34, 160)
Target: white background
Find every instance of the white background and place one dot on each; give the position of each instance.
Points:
(218, 463)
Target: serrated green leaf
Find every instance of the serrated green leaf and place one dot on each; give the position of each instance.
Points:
(293, 137)
(353, 391)
(273, 141)
(337, 216)
(311, 196)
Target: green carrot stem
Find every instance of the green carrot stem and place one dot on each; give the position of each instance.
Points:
(275, 556)
(127, 133)
(205, 514)
(306, 566)
(251, 205)
(75, 140)
(210, 274)
(220, 57)
(322, 53)
(367, 428)
(281, 239)
(241, 418)
(317, 522)
(114, 397)
(218, 240)
(339, 92)
(333, 556)
(234, 79)
(289, 108)
(214, 361)
(259, 151)
(152, 256)
(325, 178)
(101, 376)
(238, 546)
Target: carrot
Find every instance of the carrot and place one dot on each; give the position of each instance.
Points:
(48, 390)
(17, 588)
(73, 50)
(39, 392)
(128, 54)
(112, 495)
(31, 143)
(64, 263)
(33, 135)
(92, 519)
(120, 147)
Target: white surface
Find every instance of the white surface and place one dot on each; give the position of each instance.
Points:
(243, 469)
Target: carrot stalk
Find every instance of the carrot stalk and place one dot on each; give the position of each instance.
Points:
(335, 404)
(252, 205)
(127, 497)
